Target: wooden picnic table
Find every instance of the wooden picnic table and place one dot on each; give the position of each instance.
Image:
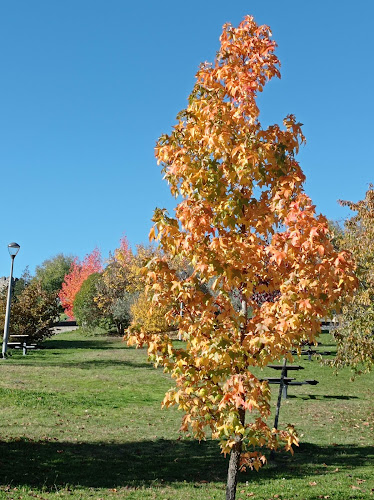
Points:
(287, 380)
(288, 367)
(21, 344)
(276, 380)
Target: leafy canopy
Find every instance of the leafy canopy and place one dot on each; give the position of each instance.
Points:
(246, 225)
(355, 335)
(112, 296)
(85, 309)
(51, 273)
(34, 311)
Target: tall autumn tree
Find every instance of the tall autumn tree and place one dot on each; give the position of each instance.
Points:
(78, 273)
(246, 225)
(113, 296)
(355, 334)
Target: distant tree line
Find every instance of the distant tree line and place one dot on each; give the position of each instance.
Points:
(111, 296)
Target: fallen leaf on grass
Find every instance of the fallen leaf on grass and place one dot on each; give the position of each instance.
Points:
(359, 481)
(312, 483)
(354, 487)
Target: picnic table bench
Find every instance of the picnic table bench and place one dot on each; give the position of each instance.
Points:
(311, 352)
(329, 324)
(21, 344)
(276, 380)
(287, 380)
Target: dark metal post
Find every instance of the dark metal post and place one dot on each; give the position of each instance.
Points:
(281, 385)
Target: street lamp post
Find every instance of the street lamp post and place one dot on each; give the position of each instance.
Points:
(13, 250)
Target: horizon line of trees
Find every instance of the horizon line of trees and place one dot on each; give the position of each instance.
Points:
(113, 295)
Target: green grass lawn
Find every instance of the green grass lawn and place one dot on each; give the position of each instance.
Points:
(81, 419)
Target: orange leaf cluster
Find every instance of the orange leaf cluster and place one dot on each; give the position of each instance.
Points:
(79, 272)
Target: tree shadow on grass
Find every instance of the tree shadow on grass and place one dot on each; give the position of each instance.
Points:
(95, 363)
(106, 363)
(319, 397)
(107, 465)
(101, 344)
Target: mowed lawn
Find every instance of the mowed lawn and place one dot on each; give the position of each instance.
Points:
(81, 418)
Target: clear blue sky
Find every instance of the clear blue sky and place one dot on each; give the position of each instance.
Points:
(87, 87)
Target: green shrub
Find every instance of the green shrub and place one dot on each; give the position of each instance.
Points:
(86, 310)
(120, 311)
(33, 312)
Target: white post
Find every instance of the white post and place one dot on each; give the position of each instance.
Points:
(7, 314)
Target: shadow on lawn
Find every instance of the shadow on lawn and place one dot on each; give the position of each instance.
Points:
(99, 363)
(84, 344)
(95, 363)
(103, 465)
(319, 397)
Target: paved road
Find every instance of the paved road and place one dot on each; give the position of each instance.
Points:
(60, 329)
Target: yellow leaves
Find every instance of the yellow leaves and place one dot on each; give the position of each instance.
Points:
(152, 319)
(152, 276)
(179, 363)
(168, 399)
(225, 430)
(152, 234)
(253, 460)
(132, 340)
(176, 285)
(216, 283)
(226, 446)
(290, 438)
(202, 362)
(215, 378)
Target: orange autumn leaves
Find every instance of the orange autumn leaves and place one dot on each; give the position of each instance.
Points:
(246, 227)
(79, 272)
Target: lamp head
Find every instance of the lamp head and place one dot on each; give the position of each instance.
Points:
(13, 249)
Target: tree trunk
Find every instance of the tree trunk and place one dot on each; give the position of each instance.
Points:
(119, 327)
(232, 473)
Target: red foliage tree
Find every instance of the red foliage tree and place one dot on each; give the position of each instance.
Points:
(79, 272)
